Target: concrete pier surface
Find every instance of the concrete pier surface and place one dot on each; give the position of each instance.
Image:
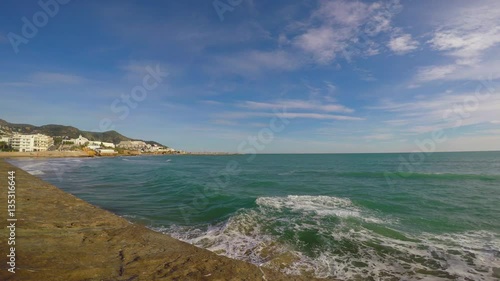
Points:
(61, 237)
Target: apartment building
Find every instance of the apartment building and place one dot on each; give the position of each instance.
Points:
(30, 143)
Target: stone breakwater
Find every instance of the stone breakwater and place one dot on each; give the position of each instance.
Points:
(60, 237)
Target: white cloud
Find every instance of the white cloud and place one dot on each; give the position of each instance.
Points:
(282, 108)
(133, 23)
(487, 70)
(330, 87)
(442, 111)
(297, 104)
(397, 122)
(323, 43)
(255, 62)
(435, 72)
(344, 28)
(466, 46)
(288, 115)
(224, 122)
(319, 116)
(283, 40)
(136, 70)
(403, 44)
(471, 31)
(211, 102)
(469, 35)
(348, 13)
(57, 78)
(379, 137)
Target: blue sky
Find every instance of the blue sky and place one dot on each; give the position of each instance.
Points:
(273, 76)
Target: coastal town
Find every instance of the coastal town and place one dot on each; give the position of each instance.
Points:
(41, 142)
(25, 140)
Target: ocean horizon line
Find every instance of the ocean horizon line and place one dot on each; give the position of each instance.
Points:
(332, 153)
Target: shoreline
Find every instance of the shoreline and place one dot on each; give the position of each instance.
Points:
(44, 154)
(83, 154)
(61, 237)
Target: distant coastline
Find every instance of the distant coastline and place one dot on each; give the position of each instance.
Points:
(69, 154)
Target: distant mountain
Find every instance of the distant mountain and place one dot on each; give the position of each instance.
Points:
(65, 131)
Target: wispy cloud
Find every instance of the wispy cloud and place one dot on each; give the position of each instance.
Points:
(289, 115)
(57, 78)
(466, 37)
(397, 122)
(211, 102)
(441, 112)
(344, 28)
(472, 31)
(322, 43)
(403, 44)
(189, 33)
(297, 104)
(17, 84)
(251, 63)
(319, 116)
(430, 73)
(452, 72)
(223, 122)
(135, 70)
(379, 137)
(323, 64)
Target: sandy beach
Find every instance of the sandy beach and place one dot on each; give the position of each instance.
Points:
(60, 237)
(42, 154)
(68, 154)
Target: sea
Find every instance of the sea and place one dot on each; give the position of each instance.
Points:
(391, 216)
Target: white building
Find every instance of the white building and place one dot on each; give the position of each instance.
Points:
(78, 141)
(99, 143)
(108, 144)
(104, 151)
(4, 139)
(167, 149)
(134, 145)
(94, 147)
(30, 143)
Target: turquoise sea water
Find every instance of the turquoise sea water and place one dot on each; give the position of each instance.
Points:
(350, 216)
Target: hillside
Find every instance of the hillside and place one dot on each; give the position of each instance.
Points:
(65, 131)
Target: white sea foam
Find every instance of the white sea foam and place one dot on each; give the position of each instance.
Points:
(49, 167)
(319, 205)
(36, 172)
(427, 259)
(240, 237)
(349, 250)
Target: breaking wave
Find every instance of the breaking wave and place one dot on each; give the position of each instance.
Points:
(332, 237)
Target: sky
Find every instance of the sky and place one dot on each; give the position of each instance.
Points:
(315, 76)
